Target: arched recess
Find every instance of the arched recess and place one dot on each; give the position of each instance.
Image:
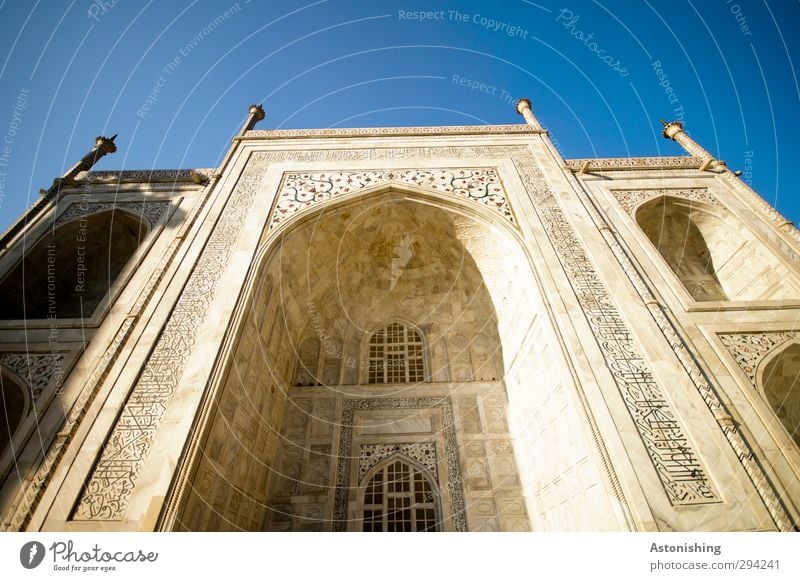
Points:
(330, 371)
(69, 271)
(399, 495)
(779, 380)
(452, 267)
(14, 407)
(308, 362)
(713, 253)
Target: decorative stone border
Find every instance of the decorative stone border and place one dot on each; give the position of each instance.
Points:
(370, 455)
(449, 130)
(37, 369)
(630, 199)
(633, 163)
(300, 191)
(675, 461)
(150, 211)
(749, 349)
(144, 175)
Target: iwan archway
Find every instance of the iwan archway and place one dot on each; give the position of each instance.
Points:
(396, 322)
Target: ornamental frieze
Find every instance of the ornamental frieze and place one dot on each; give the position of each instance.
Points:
(300, 191)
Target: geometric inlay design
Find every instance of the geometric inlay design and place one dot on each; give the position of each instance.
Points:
(748, 349)
(350, 406)
(678, 466)
(372, 454)
(301, 190)
(629, 199)
(152, 211)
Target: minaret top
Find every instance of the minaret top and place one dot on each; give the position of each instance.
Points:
(255, 113)
(524, 108)
(671, 128)
(522, 104)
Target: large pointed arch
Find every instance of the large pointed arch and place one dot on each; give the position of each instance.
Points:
(70, 270)
(478, 236)
(778, 378)
(714, 255)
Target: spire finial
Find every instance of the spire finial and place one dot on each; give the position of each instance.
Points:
(524, 108)
(255, 113)
(671, 128)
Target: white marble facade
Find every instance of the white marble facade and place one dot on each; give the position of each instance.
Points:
(605, 344)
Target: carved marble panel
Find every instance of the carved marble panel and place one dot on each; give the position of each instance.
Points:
(299, 191)
(37, 369)
(630, 199)
(350, 406)
(372, 454)
(108, 490)
(152, 212)
(748, 349)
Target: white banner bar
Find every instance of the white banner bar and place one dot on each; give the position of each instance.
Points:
(353, 556)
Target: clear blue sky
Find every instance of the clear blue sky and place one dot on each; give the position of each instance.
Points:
(85, 68)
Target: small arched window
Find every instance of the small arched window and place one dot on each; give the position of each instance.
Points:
(400, 498)
(395, 355)
(781, 380)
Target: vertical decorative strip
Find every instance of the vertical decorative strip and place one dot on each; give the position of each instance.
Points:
(109, 488)
(699, 378)
(677, 465)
